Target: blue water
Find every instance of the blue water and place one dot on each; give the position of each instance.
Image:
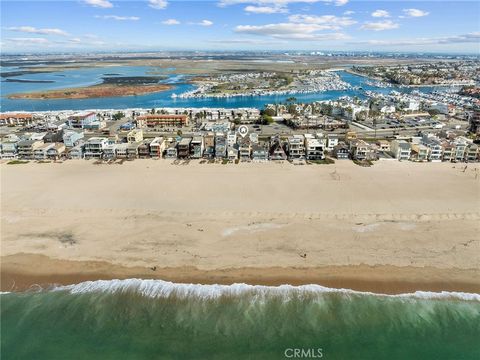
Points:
(152, 319)
(92, 76)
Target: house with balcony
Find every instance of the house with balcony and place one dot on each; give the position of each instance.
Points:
(244, 150)
(401, 149)
(171, 150)
(220, 146)
(209, 145)
(259, 153)
(110, 152)
(419, 152)
(314, 149)
(341, 151)
(82, 120)
(461, 145)
(41, 152)
(16, 119)
(26, 148)
(144, 148)
(56, 152)
(183, 148)
(232, 152)
(161, 121)
(361, 150)
(132, 149)
(76, 152)
(121, 151)
(93, 147)
(196, 147)
(9, 149)
(472, 153)
(296, 147)
(157, 147)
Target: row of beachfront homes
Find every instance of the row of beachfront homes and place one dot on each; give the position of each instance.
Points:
(227, 145)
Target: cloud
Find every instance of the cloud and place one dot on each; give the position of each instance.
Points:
(278, 3)
(349, 12)
(328, 21)
(28, 41)
(380, 25)
(33, 30)
(291, 31)
(381, 14)
(118, 18)
(265, 9)
(99, 3)
(171, 22)
(158, 4)
(202, 23)
(456, 39)
(247, 41)
(415, 12)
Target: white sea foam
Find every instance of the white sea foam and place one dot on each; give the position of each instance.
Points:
(160, 288)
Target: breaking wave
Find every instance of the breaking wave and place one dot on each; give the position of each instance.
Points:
(160, 288)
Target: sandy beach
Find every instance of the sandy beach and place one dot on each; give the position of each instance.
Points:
(392, 228)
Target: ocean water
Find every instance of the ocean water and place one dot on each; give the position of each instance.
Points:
(92, 76)
(153, 319)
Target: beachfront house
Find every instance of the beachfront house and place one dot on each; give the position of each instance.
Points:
(171, 150)
(419, 152)
(434, 148)
(259, 153)
(232, 152)
(9, 149)
(93, 147)
(448, 151)
(121, 151)
(26, 148)
(341, 151)
(209, 145)
(132, 149)
(76, 152)
(472, 153)
(56, 151)
(296, 147)
(461, 145)
(401, 149)
(244, 149)
(183, 148)
(220, 146)
(361, 150)
(72, 138)
(110, 152)
(314, 149)
(157, 147)
(144, 148)
(276, 151)
(196, 147)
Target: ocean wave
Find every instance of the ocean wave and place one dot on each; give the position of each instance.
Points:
(160, 288)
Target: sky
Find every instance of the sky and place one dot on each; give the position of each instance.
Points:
(314, 25)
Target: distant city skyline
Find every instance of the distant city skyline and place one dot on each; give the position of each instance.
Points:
(172, 25)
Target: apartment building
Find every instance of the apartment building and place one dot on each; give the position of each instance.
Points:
(160, 121)
(82, 120)
(16, 119)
